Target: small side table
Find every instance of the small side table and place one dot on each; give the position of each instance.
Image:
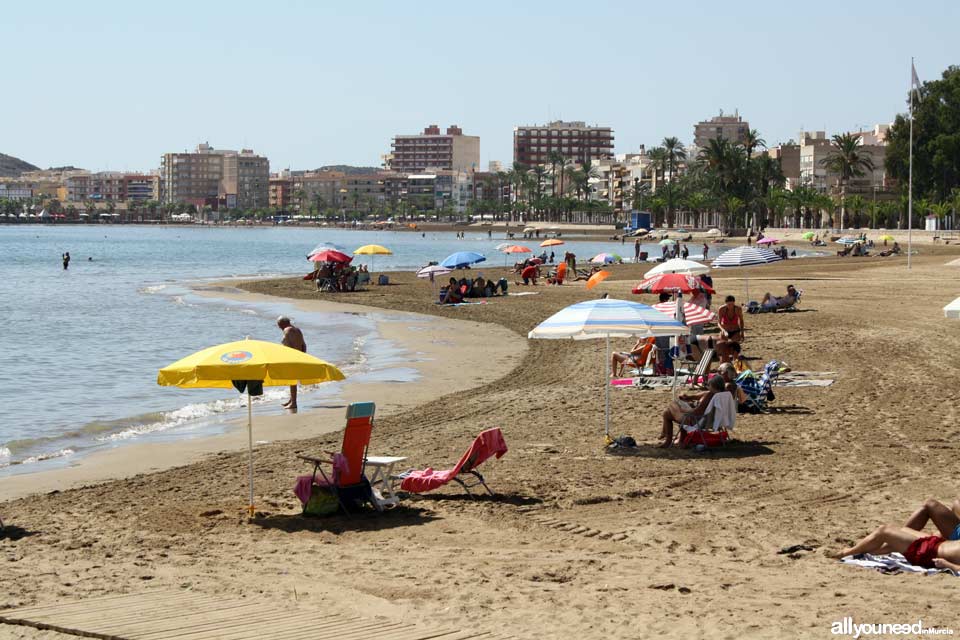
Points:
(380, 479)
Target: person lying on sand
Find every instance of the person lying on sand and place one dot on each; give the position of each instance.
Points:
(772, 302)
(924, 551)
(945, 519)
(682, 408)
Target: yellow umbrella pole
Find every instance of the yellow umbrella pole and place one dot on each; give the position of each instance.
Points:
(250, 443)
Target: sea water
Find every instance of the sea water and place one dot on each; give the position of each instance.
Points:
(80, 348)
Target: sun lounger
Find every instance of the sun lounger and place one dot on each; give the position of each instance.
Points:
(346, 483)
(489, 443)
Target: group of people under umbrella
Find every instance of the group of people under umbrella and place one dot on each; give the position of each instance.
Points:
(333, 270)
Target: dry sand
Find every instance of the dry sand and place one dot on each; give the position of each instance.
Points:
(578, 543)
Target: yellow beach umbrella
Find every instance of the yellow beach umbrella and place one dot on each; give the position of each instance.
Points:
(372, 250)
(886, 238)
(247, 361)
(552, 242)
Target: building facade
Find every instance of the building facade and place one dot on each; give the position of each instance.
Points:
(575, 141)
(734, 128)
(216, 177)
(432, 149)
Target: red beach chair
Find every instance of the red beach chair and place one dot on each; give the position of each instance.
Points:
(488, 443)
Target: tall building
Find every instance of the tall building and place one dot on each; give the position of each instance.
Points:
(577, 142)
(734, 128)
(317, 190)
(213, 177)
(434, 150)
(787, 155)
(109, 186)
(816, 147)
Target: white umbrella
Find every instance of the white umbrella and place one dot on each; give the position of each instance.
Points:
(433, 270)
(952, 310)
(745, 256)
(678, 265)
(714, 232)
(606, 318)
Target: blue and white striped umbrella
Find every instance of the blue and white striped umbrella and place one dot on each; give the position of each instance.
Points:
(745, 257)
(606, 318)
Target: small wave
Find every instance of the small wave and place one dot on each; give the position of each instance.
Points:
(4, 452)
(172, 419)
(40, 457)
(153, 288)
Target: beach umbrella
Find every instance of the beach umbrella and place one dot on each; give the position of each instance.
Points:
(952, 310)
(745, 256)
(886, 238)
(692, 314)
(433, 269)
(529, 229)
(678, 265)
(847, 241)
(462, 259)
(714, 232)
(372, 250)
(552, 242)
(607, 318)
(667, 242)
(516, 248)
(641, 230)
(603, 258)
(329, 255)
(672, 283)
(503, 245)
(327, 246)
(809, 235)
(597, 278)
(768, 241)
(247, 365)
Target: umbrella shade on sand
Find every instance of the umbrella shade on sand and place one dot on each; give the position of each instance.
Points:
(552, 242)
(678, 265)
(462, 259)
(607, 318)
(952, 310)
(672, 283)
(253, 363)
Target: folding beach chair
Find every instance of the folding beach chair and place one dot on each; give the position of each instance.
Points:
(489, 443)
(346, 481)
(698, 377)
(712, 429)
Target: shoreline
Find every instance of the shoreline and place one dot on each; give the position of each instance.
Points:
(426, 343)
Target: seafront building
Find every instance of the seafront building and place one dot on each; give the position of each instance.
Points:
(450, 150)
(575, 141)
(110, 186)
(215, 177)
(734, 128)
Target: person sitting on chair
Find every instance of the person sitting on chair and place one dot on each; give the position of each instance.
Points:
(637, 356)
(772, 303)
(681, 409)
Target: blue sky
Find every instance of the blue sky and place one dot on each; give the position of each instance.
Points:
(113, 85)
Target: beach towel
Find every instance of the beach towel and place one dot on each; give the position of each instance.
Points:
(462, 304)
(641, 382)
(304, 484)
(891, 563)
(525, 293)
(789, 382)
(488, 443)
(725, 411)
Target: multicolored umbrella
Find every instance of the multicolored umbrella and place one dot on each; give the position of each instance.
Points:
(605, 258)
(672, 283)
(607, 318)
(692, 314)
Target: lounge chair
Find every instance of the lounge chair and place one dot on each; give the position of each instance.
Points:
(698, 377)
(756, 307)
(346, 482)
(488, 443)
(713, 427)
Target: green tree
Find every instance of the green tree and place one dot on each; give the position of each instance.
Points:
(847, 159)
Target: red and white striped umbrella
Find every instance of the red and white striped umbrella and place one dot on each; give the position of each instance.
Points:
(692, 314)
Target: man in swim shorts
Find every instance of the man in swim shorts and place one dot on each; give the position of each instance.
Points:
(924, 551)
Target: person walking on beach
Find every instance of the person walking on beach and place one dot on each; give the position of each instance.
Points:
(706, 250)
(66, 260)
(293, 338)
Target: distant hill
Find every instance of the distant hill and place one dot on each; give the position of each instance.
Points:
(11, 167)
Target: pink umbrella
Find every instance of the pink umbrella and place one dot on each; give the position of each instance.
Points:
(692, 314)
(768, 241)
(330, 255)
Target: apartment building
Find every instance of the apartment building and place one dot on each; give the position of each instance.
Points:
(450, 150)
(788, 155)
(280, 191)
(575, 141)
(215, 177)
(816, 147)
(317, 190)
(15, 190)
(734, 128)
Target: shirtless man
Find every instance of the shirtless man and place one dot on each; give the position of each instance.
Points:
(772, 302)
(945, 519)
(917, 548)
(293, 338)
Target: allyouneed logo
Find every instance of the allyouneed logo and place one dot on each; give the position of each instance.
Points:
(847, 627)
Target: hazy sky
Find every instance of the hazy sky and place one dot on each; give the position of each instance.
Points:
(113, 85)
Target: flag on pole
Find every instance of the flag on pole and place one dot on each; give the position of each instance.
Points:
(915, 80)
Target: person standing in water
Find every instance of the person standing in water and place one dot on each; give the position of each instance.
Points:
(66, 260)
(293, 338)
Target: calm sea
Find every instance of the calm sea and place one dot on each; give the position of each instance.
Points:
(80, 349)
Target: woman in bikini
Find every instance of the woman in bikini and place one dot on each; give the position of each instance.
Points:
(730, 319)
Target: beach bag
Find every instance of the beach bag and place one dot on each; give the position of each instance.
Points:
(322, 502)
(383, 279)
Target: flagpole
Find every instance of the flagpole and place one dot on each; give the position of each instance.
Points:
(910, 180)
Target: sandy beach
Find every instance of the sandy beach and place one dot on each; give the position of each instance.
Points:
(577, 543)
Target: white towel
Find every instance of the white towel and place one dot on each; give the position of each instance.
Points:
(891, 563)
(724, 409)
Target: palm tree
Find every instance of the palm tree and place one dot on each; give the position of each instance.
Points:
(555, 158)
(940, 211)
(847, 160)
(675, 153)
(856, 204)
(539, 174)
(753, 140)
(658, 163)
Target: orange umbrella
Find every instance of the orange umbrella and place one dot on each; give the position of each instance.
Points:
(517, 248)
(597, 278)
(552, 242)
